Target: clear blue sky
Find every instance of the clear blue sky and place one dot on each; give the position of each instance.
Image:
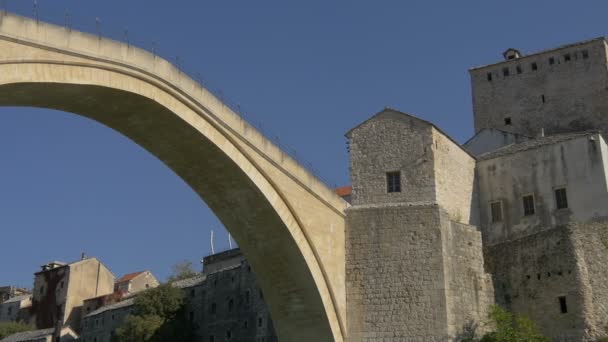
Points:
(307, 70)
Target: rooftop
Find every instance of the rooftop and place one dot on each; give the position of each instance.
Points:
(29, 335)
(17, 299)
(534, 143)
(129, 276)
(344, 191)
(189, 282)
(121, 304)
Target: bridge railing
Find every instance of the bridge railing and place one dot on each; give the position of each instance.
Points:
(97, 26)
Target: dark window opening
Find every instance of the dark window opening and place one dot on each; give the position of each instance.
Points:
(247, 296)
(191, 316)
(230, 305)
(538, 276)
(192, 293)
(528, 201)
(585, 54)
(518, 69)
(561, 199)
(505, 72)
(507, 121)
(393, 181)
(62, 284)
(260, 322)
(228, 334)
(563, 306)
(261, 295)
(211, 338)
(490, 76)
(549, 274)
(246, 324)
(496, 209)
(213, 308)
(542, 98)
(528, 276)
(567, 57)
(534, 66)
(551, 60)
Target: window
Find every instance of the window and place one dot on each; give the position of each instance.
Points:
(213, 308)
(230, 304)
(508, 121)
(42, 290)
(563, 307)
(505, 72)
(561, 200)
(496, 209)
(259, 321)
(585, 54)
(551, 60)
(490, 77)
(393, 181)
(246, 324)
(62, 284)
(192, 293)
(534, 66)
(567, 57)
(542, 98)
(261, 295)
(228, 334)
(211, 338)
(528, 205)
(191, 316)
(518, 69)
(247, 297)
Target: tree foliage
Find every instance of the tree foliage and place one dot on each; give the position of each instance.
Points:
(9, 328)
(512, 328)
(158, 316)
(182, 270)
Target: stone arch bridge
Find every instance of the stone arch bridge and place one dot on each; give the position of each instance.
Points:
(287, 222)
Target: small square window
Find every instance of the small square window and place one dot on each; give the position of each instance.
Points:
(496, 211)
(534, 66)
(528, 202)
(563, 306)
(585, 54)
(393, 181)
(561, 199)
(567, 57)
(507, 121)
(505, 72)
(489, 77)
(518, 69)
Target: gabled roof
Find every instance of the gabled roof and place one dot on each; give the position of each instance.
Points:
(535, 143)
(129, 276)
(17, 299)
(388, 110)
(121, 304)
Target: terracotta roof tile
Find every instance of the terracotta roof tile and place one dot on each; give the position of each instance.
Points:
(344, 191)
(129, 276)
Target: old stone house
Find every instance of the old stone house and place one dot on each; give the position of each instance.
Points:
(16, 309)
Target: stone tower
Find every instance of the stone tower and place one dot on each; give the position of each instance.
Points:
(558, 90)
(414, 264)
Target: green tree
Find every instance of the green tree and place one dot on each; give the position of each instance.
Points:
(158, 316)
(9, 328)
(182, 270)
(512, 328)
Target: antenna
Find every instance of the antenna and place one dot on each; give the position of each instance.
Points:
(212, 249)
(229, 241)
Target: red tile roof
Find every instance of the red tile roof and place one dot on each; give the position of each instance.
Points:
(344, 191)
(128, 277)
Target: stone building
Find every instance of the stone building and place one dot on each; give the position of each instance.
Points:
(228, 304)
(135, 282)
(60, 290)
(517, 216)
(7, 292)
(16, 309)
(100, 325)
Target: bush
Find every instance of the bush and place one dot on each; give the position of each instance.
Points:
(10, 328)
(512, 328)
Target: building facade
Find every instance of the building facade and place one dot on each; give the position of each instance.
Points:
(16, 309)
(60, 290)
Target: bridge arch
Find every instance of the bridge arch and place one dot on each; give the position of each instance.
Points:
(288, 224)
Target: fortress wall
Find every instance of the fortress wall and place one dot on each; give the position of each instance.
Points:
(531, 273)
(455, 179)
(575, 95)
(395, 277)
(469, 290)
